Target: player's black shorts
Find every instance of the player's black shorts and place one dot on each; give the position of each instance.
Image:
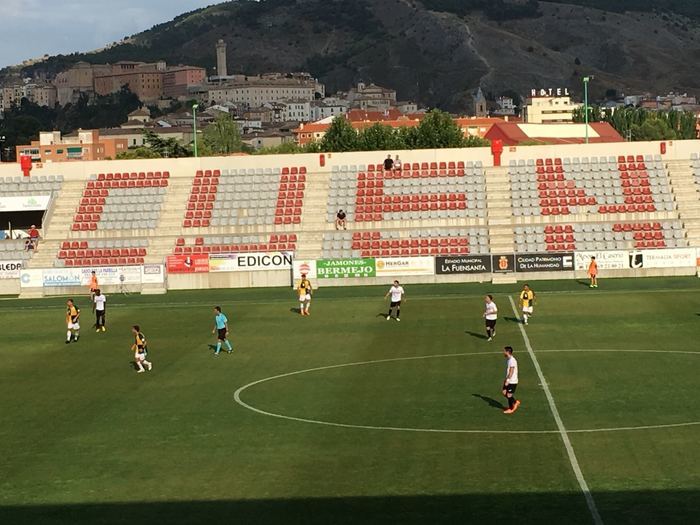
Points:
(510, 388)
(222, 333)
(395, 304)
(491, 323)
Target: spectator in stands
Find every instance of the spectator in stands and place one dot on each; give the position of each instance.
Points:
(388, 163)
(34, 236)
(397, 164)
(340, 220)
(34, 233)
(29, 244)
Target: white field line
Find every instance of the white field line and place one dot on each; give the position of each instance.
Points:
(560, 424)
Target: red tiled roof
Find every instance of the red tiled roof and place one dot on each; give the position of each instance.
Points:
(511, 134)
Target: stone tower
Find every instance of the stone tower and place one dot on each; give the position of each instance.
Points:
(480, 108)
(221, 69)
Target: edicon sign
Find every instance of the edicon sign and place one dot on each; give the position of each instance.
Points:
(248, 262)
(464, 264)
(544, 262)
(343, 268)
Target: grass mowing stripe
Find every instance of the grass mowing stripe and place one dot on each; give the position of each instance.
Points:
(560, 424)
(445, 296)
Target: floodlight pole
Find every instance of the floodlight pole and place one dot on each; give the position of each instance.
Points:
(586, 80)
(194, 126)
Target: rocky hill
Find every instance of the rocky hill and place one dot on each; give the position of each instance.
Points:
(437, 51)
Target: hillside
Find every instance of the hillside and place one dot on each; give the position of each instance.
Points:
(436, 51)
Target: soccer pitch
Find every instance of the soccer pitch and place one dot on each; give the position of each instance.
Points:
(344, 417)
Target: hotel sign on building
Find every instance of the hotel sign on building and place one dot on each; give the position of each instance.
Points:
(549, 92)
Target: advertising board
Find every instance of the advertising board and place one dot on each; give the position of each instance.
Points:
(250, 262)
(463, 264)
(344, 268)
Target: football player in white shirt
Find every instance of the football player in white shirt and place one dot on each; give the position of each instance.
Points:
(99, 304)
(397, 293)
(511, 381)
(490, 317)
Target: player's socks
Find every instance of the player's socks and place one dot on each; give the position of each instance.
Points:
(511, 402)
(516, 405)
(228, 346)
(69, 334)
(218, 347)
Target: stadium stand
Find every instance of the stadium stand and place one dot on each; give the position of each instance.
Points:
(418, 191)
(262, 196)
(235, 243)
(102, 252)
(121, 201)
(411, 243)
(600, 236)
(25, 186)
(545, 199)
(604, 185)
(13, 250)
(38, 185)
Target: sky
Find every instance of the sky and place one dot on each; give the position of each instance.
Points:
(32, 28)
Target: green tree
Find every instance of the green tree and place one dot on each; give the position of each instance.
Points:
(379, 137)
(165, 147)
(341, 136)
(653, 129)
(439, 130)
(141, 152)
(222, 137)
(475, 142)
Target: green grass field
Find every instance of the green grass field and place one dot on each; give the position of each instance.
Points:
(410, 431)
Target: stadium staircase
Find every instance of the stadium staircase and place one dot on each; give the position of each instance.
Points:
(314, 221)
(170, 223)
(499, 210)
(58, 227)
(685, 191)
(499, 216)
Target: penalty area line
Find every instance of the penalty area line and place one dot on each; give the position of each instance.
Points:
(560, 424)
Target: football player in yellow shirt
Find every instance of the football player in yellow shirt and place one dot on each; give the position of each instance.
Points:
(527, 302)
(305, 290)
(72, 322)
(140, 349)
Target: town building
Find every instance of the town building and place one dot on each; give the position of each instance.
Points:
(505, 107)
(254, 91)
(371, 96)
(83, 145)
(480, 106)
(39, 93)
(549, 106)
(479, 126)
(78, 79)
(328, 107)
(177, 80)
(517, 133)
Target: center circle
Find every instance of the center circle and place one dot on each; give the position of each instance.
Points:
(536, 419)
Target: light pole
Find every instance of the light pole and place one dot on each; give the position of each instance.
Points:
(2, 143)
(586, 80)
(194, 126)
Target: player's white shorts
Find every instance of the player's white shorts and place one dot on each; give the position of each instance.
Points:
(140, 357)
(527, 309)
(73, 326)
(305, 298)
